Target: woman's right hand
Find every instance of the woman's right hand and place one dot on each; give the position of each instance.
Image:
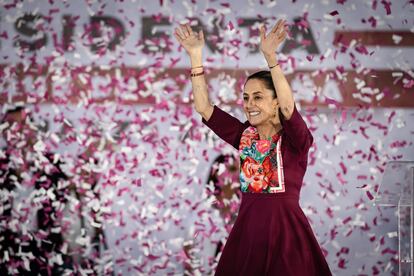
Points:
(192, 42)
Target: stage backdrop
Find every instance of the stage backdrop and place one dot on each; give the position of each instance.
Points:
(110, 73)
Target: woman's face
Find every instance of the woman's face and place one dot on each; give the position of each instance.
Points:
(258, 103)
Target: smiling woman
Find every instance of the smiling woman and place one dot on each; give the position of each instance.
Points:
(260, 103)
(271, 235)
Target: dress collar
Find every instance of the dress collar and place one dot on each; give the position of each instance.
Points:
(275, 136)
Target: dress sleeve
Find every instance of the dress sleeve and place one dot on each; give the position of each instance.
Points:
(227, 127)
(298, 133)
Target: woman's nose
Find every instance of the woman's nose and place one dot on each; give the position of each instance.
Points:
(249, 103)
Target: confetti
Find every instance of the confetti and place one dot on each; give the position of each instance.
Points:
(114, 125)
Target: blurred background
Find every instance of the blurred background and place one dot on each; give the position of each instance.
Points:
(106, 168)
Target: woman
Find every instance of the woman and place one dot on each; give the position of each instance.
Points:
(271, 235)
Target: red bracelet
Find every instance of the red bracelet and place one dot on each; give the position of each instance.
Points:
(197, 74)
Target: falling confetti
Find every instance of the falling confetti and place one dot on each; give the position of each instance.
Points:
(116, 160)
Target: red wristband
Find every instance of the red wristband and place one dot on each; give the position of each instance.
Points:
(197, 74)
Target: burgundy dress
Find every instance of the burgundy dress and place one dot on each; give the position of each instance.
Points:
(271, 235)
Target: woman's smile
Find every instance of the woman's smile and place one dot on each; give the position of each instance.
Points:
(254, 113)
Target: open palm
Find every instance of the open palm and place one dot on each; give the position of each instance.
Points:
(192, 42)
(270, 42)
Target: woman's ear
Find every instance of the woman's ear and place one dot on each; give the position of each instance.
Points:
(275, 103)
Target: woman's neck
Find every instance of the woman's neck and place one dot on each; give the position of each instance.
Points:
(266, 131)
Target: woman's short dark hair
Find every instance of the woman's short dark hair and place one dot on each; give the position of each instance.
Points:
(266, 78)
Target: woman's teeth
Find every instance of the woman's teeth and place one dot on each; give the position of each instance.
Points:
(254, 113)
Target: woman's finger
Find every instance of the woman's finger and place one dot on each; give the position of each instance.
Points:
(282, 36)
(285, 26)
(281, 32)
(179, 33)
(201, 35)
(276, 26)
(182, 32)
(178, 37)
(189, 30)
(262, 33)
(185, 31)
(282, 27)
(274, 29)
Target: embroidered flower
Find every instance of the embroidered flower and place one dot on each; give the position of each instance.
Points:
(247, 138)
(259, 161)
(257, 184)
(250, 167)
(267, 166)
(263, 146)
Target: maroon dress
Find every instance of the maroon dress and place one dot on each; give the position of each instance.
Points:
(271, 235)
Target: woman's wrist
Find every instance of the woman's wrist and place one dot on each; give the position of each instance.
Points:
(271, 59)
(273, 66)
(196, 59)
(196, 64)
(197, 68)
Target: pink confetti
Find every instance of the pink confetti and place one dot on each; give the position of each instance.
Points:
(370, 196)
(341, 263)
(346, 220)
(387, 6)
(145, 153)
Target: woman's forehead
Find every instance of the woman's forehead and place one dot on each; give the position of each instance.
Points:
(254, 82)
(255, 86)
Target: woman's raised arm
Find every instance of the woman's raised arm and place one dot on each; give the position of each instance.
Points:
(268, 45)
(193, 44)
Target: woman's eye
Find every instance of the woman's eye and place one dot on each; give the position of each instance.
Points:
(257, 98)
(245, 99)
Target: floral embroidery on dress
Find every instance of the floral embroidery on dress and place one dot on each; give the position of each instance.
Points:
(261, 166)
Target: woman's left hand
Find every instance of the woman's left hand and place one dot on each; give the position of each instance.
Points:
(270, 42)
